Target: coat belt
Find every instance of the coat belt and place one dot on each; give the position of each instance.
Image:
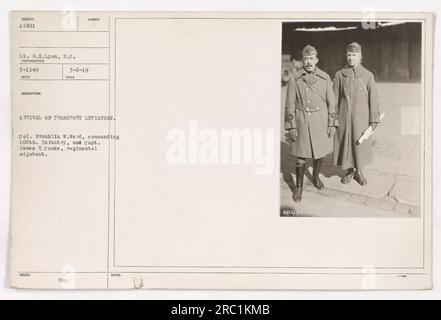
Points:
(310, 110)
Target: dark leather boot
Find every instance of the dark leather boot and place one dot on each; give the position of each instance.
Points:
(348, 177)
(359, 177)
(315, 174)
(300, 173)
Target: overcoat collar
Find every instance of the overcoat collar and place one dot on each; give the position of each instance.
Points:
(358, 71)
(318, 72)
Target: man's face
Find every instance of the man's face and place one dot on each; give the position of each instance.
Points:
(309, 62)
(353, 58)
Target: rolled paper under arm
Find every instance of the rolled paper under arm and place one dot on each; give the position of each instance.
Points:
(367, 133)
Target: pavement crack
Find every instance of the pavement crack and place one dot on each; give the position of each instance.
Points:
(390, 194)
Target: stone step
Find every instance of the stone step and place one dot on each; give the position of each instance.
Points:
(379, 199)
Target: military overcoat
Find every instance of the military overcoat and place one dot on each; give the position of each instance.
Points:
(310, 105)
(357, 106)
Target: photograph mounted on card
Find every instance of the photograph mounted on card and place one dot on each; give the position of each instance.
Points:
(221, 150)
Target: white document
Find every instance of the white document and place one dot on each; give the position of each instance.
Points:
(147, 154)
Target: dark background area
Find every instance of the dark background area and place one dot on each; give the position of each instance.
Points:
(392, 53)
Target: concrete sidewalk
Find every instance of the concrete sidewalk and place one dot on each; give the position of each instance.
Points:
(394, 177)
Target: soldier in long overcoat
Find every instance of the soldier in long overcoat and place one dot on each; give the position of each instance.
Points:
(357, 108)
(311, 117)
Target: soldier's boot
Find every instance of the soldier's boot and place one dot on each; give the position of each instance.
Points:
(300, 173)
(359, 177)
(315, 174)
(348, 177)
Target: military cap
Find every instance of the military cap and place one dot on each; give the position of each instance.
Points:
(309, 51)
(354, 47)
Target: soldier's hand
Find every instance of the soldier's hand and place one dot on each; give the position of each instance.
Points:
(374, 125)
(293, 134)
(331, 131)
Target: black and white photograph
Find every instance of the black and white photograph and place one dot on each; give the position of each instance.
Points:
(351, 105)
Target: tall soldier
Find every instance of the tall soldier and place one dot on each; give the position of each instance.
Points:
(311, 117)
(357, 107)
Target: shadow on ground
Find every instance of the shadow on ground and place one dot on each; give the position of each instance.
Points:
(288, 164)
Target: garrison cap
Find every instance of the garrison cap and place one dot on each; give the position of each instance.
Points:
(354, 47)
(309, 51)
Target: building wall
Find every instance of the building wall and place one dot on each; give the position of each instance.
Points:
(392, 53)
